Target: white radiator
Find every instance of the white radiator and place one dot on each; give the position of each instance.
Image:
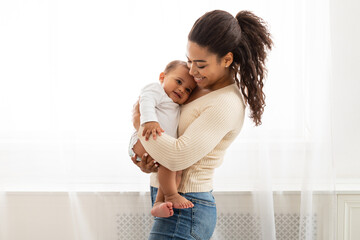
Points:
(230, 226)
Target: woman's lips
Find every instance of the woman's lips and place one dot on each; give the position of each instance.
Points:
(198, 79)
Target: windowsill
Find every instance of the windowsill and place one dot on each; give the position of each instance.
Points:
(349, 186)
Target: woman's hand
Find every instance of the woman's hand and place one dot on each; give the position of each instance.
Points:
(147, 164)
(136, 115)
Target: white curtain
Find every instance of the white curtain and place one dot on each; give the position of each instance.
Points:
(71, 70)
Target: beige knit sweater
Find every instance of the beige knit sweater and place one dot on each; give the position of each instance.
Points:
(207, 127)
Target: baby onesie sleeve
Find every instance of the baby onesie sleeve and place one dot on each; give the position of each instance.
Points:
(150, 96)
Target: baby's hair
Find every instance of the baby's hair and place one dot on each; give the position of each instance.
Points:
(173, 64)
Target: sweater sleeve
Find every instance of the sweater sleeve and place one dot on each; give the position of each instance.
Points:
(200, 138)
(150, 96)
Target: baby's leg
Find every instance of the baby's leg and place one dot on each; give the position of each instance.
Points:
(168, 184)
(165, 209)
(178, 178)
(161, 208)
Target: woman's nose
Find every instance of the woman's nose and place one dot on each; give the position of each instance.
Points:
(192, 70)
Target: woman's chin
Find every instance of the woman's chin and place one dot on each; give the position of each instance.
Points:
(202, 84)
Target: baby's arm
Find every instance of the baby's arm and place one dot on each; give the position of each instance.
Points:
(148, 126)
(150, 96)
(151, 128)
(147, 163)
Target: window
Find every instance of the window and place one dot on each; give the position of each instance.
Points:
(71, 70)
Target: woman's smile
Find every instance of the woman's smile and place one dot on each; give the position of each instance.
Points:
(199, 79)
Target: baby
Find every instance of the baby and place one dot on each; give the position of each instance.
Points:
(159, 111)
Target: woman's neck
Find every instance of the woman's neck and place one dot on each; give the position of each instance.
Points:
(223, 82)
(200, 91)
(197, 93)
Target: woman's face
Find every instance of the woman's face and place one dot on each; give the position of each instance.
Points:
(206, 68)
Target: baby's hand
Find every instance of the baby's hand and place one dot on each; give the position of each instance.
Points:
(152, 128)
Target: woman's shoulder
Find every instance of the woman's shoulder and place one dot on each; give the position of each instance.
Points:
(230, 105)
(228, 97)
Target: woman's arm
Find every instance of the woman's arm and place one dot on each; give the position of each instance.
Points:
(200, 138)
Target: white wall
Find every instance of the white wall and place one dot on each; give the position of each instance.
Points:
(345, 39)
(120, 216)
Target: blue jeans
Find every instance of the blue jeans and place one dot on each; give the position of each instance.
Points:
(190, 223)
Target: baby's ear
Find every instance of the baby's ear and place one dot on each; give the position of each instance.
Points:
(161, 77)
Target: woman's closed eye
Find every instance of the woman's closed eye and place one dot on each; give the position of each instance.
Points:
(200, 67)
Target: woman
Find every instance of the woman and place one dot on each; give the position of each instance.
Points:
(226, 57)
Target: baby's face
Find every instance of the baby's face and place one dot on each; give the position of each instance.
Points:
(178, 84)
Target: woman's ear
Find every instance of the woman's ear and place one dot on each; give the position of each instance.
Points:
(161, 77)
(228, 59)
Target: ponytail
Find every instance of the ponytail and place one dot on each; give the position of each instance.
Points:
(249, 62)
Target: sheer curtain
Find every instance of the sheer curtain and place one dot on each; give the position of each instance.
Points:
(71, 70)
(293, 149)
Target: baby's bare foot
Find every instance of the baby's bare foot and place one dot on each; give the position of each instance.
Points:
(178, 201)
(162, 209)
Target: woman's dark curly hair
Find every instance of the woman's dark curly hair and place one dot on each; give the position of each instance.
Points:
(248, 38)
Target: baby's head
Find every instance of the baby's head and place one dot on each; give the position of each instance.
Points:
(177, 82)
